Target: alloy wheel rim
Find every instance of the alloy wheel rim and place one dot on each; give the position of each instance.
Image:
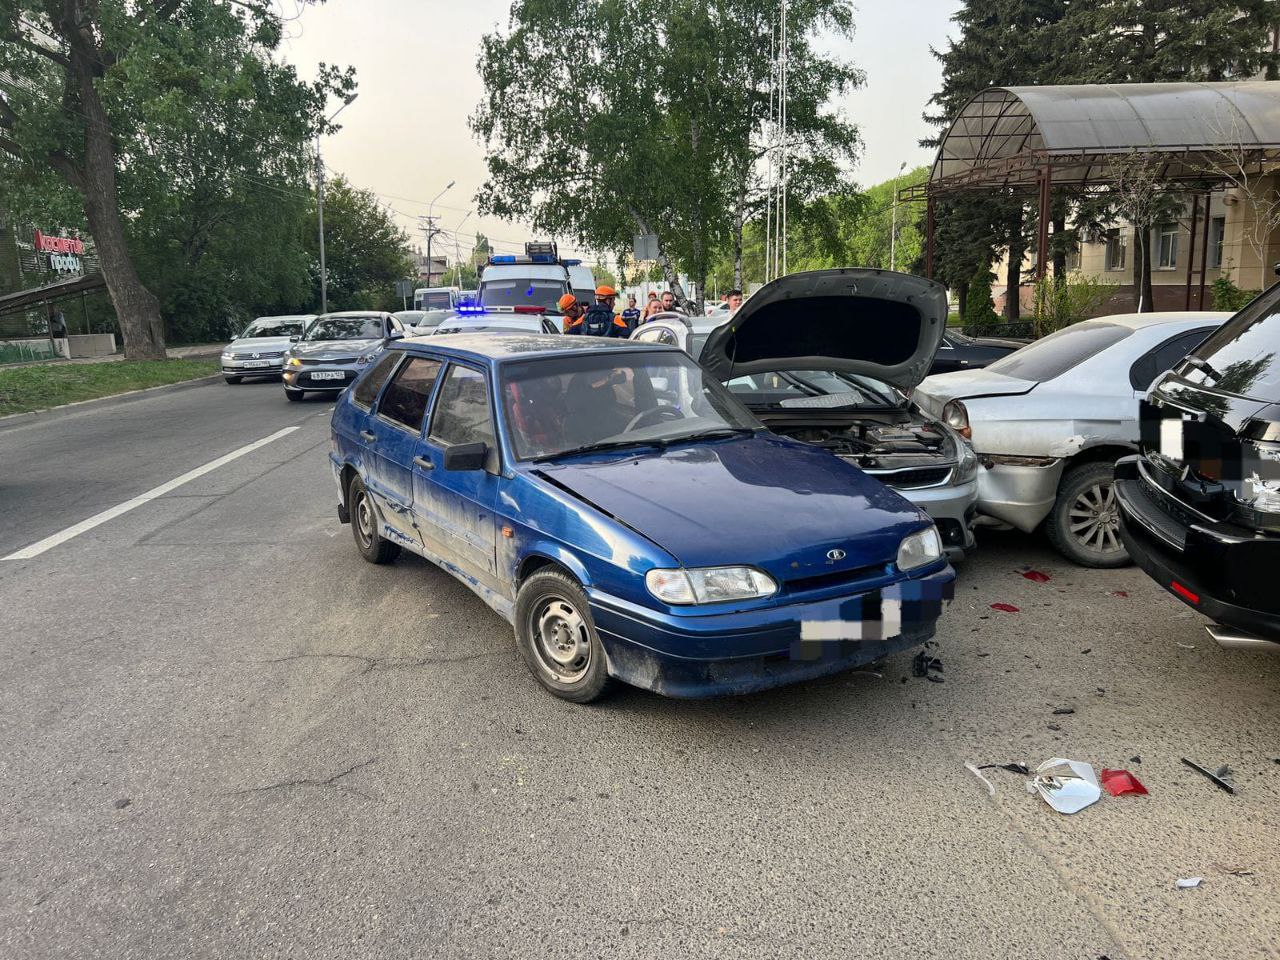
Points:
(364, 519)
(1094, 519)
(561, 640)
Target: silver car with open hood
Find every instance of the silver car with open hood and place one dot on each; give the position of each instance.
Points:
(829, 357)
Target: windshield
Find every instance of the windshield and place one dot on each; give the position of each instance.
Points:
(814, 388)
(345, 328)
(515, 293)
(1241, 357)
(1059, 352)
(622, 399)
(435, 300)
(272, 327)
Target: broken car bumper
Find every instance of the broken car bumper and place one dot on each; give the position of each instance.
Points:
(714, 654)
(1019, 494)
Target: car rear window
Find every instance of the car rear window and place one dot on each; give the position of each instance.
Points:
(1242, 357)
(1059, 352)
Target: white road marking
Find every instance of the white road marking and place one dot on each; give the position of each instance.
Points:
(48, 543)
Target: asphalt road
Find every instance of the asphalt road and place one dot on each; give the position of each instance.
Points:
(224, 735)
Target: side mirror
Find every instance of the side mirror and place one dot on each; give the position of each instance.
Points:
(235, 336)
(295, 338)
(465, 456)
(395, 335)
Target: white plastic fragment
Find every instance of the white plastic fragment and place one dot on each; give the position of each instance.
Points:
(1066, 785)
(991, 787)
(1186, 883)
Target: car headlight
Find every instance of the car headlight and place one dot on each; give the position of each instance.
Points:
(228, 356)
(920, 549)
(709, 584)
(956, 416)
(967, 467)
(293, 362)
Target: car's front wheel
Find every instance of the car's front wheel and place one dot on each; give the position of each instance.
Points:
(1084, 524)
(364, 526)
(558, 639)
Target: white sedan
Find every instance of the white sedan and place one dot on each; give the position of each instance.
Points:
(1049, 421)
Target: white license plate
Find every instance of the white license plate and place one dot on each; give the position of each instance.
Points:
(257, 363)
(328, 375)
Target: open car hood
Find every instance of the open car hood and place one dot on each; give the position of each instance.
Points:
(872, 322)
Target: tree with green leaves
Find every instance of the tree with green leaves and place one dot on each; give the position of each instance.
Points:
(159, 118)
(365, 251)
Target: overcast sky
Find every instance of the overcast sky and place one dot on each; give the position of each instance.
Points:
(406, 136)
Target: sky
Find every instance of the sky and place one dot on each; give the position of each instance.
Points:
(406, 136)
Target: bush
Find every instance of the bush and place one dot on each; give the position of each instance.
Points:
(1062, 302)
(1228, 297)
(979, 309)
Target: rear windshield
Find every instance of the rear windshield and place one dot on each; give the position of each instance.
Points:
(1242, 357)
(437, 300)
(1059, 352)
(514, 293)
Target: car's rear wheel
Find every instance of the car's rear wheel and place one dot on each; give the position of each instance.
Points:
(233, 379)
(294, 394)
(364, 526)
(1084, 524)
(558, 638)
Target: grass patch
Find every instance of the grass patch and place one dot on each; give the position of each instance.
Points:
(23, 389)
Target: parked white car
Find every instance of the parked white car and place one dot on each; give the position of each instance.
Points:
(1050, 420)
(258, 350)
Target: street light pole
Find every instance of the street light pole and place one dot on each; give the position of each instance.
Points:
(893, 232)
(324, 273)
(431, 226)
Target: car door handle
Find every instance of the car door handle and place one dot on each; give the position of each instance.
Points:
(369, 436)
(424, 463)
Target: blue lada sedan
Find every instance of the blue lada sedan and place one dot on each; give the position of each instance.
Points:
(629, 516)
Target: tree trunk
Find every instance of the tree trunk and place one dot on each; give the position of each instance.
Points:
(1148, 295)
(738, 217)
(1142, 270)
(962, 296)
(1013, 280)
(137, 309)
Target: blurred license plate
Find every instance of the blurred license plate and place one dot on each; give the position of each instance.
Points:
(328, 375)
(257, 363)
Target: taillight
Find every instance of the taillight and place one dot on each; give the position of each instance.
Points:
(1183, 592)
(528, 308)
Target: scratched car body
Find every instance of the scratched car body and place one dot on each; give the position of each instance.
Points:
(629, 516)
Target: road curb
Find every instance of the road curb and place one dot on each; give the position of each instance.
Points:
(65, 409)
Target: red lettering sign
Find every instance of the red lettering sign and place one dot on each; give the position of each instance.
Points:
(59, 244)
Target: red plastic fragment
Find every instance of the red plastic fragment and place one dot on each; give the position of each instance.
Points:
(1120, 782)
(1119, 593)
(1004, 607)
(1036, 576)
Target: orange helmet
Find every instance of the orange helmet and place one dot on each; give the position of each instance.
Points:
(604, 290)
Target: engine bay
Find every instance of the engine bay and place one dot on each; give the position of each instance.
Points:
(876, 444)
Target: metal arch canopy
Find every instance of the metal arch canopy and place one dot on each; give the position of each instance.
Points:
(1006, 136)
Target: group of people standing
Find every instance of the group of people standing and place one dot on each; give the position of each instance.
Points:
(599, 320)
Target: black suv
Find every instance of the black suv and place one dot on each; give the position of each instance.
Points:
(1200, 508)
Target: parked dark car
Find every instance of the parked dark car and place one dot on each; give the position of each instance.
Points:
(1200, 507)
(629, 516)
(959, 352)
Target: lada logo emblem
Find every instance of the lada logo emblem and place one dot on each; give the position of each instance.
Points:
(836, 554)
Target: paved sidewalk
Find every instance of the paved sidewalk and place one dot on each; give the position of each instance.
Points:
(193, 351)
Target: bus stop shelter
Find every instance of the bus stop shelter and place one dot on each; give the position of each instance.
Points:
(1079, 138)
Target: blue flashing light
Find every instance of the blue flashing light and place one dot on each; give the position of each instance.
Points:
(503, 258)
(543, 258)
(572, 263)
(469, 310)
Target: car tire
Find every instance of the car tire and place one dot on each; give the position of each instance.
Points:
(233, 380)
(1084, 524)
(364, 525)
(294, 395)
(558, 639)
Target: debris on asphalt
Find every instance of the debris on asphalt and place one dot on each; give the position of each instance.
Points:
(1119, 593)
(1087, 650)
(1135, 759)
(122, 803)
(991, 787)
(1066, 785)
(1188, 883)
(1235, 871)
(1054, 726)
(1121, 782)
(924, 662)
(1063, 711)
(1004, 607)
(1186, 646)
(1035, 576)
(1021, 768)
(1217, 776)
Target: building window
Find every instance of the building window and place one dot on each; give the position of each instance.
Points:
(1115, 250)
(1167, 246)
(1217, 230)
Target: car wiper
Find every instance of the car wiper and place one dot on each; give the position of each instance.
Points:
(602, 445)
(719, 433)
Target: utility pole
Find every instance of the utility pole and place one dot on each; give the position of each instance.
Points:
(324, 273)
(893, 231)
(431, 229)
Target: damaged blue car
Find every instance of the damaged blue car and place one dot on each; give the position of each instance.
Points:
(630, 517)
